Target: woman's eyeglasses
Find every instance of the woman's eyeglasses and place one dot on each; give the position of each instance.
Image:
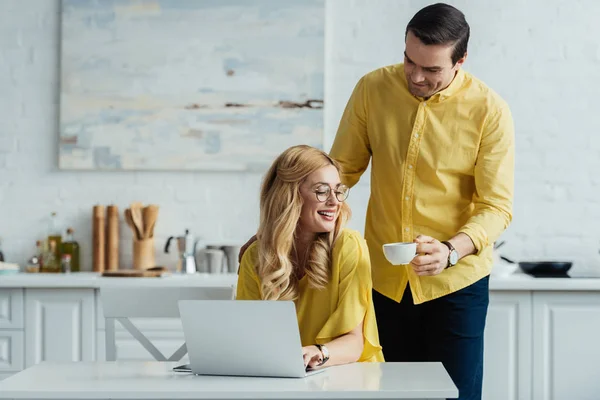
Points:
(323, 192)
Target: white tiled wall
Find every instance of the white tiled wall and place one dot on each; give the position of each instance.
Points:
(542, 56)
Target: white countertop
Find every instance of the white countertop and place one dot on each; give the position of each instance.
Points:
(155, 380)
(94, 280)
(522, 282)
(512, 282)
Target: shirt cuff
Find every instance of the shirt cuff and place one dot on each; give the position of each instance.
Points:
(478, 236)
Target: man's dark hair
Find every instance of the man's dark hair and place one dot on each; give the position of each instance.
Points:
(441, 24)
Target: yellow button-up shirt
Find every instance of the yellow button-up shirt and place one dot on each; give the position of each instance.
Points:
(439, 166)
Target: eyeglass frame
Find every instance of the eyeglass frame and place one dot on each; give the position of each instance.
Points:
(331, 190)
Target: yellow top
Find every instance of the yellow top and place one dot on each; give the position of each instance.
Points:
(324, 315)
(440, 166)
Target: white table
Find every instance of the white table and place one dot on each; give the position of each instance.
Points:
(154, 380)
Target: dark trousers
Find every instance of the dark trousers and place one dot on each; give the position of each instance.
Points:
(448, 329)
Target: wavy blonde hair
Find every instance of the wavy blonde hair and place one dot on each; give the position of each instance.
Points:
(280, 209)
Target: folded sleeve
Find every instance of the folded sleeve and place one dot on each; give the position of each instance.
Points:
(354, 300)
(494, 181)
(248, 283)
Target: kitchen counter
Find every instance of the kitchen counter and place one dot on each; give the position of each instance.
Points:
(523, 282)
(513, 282)
(95, 281)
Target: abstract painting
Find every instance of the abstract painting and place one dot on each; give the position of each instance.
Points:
(221, 85)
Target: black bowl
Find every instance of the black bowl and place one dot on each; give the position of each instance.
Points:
(546, 268)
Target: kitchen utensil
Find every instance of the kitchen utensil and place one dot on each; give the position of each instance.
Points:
(129, 220)
(143, 241)
(150, 215)
(186, 247)
(546, 268)
(138, 218)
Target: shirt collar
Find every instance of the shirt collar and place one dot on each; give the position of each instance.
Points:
(449, 91)
(452, 88)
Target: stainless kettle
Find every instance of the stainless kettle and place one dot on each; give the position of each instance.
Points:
(186, 247)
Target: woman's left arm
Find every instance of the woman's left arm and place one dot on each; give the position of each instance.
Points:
(342, 350)
(350, 332)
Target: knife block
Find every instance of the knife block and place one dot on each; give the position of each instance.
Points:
(143, 254)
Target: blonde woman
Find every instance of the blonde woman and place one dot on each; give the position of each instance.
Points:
(304, 254)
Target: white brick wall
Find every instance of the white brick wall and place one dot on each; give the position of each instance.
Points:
(542, 56)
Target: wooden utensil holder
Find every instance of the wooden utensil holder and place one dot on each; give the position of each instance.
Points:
(143, 254)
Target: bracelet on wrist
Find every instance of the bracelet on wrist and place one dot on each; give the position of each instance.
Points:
(324, 353)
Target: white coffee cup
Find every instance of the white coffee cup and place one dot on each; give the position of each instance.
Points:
(400, 253)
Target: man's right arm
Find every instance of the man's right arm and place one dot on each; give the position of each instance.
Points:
(351, 147)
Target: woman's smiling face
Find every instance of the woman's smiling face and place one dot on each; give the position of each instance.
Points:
(322, 194)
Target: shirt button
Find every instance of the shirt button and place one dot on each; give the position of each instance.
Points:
(416, 135)
(406, 229)
(407, 198)
(424, 104)
(410, 167)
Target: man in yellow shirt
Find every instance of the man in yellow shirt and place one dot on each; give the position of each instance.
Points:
(441, 147)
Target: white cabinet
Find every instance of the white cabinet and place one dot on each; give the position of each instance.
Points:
(12, 351)
(12, 348)
(11, 309)
(59, 325)
(507, 358)
(566, 345)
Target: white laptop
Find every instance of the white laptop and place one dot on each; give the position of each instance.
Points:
(242, 338)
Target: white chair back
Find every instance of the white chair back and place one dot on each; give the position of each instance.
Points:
(122, 303)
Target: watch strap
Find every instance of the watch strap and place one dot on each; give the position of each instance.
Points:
(452, 249)
(324, 351)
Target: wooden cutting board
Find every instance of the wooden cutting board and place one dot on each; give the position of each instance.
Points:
(155, 272)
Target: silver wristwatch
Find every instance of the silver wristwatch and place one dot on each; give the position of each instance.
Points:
(452, 256)
(324, 351)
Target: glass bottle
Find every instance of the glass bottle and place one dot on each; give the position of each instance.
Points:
(40, 246)
(39, 249)
(33, 265)
(65, 263)
(51, 263)
(55, 234)
(71, 247)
